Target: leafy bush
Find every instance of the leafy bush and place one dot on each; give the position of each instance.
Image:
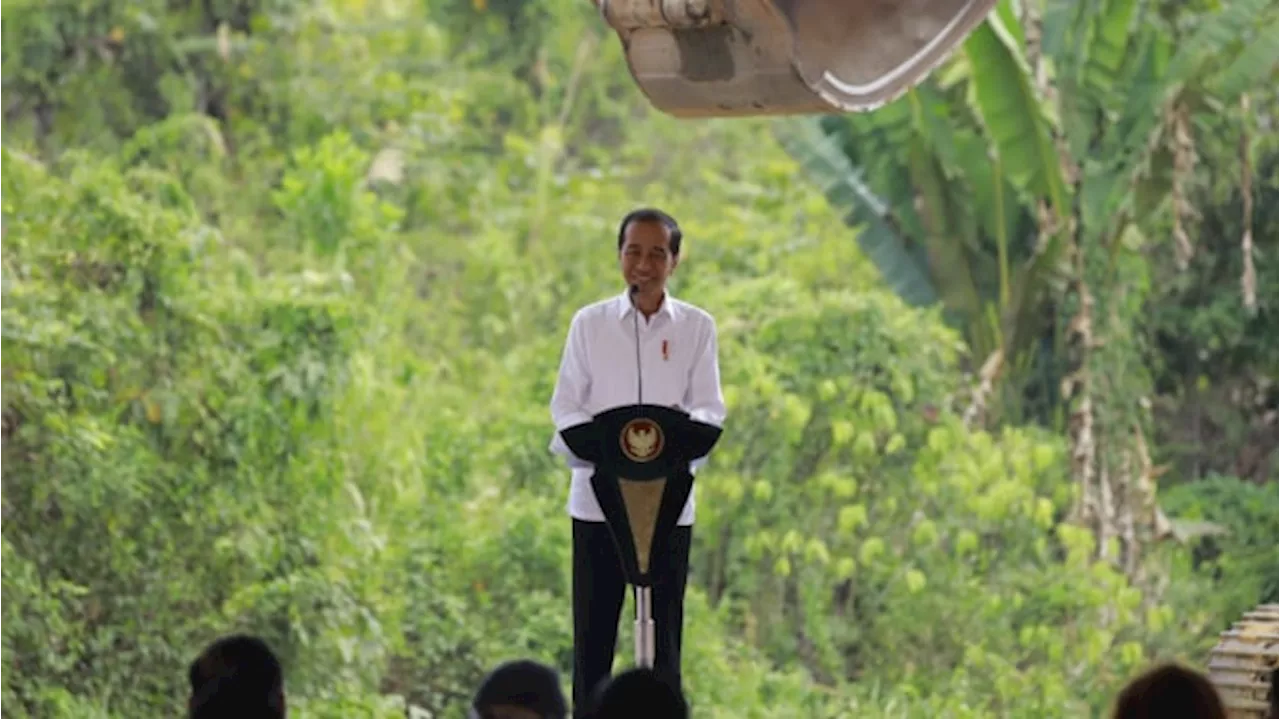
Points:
(285, 370)
(1241, 560)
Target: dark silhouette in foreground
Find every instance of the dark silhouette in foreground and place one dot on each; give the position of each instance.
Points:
(521, 689)
(236, 677)
(1273, 695)
(1169, 692)
(639, 694)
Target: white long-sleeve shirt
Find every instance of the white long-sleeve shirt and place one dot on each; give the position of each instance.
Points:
(680, 365)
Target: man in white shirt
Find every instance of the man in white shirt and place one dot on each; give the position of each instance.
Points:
(598, 371)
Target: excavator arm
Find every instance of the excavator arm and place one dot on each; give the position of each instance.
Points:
(735, 58)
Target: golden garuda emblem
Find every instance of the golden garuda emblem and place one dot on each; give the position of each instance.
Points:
(641, 440)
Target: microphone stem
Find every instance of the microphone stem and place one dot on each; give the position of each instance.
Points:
(635, 323)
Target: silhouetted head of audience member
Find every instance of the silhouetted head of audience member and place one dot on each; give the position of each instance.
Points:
(520, 689)
(639, 693)
(237, 677)
(1169, 692)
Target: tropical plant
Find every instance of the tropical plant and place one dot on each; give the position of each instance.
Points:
(1023, 184)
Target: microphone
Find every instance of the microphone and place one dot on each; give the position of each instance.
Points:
(635, 325)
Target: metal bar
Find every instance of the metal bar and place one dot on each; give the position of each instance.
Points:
(644, 627)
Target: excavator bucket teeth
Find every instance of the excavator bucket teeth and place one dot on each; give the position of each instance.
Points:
(720, 58)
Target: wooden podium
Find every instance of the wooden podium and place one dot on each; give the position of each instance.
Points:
(642, 480)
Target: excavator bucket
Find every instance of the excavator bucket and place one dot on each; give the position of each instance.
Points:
(725, 58)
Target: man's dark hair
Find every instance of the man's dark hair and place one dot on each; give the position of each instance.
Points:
(639, 693)
(521, 688)
(237, 676)
(650, 214)
(1169, 691)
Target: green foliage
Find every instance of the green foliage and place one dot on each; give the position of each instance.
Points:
(903, 269)
(145, 384)
(1216, 364)
(1242, 558)
(283, 302)
(930, 559)
(1028, 143)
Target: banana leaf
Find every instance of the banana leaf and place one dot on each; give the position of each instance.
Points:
(902, 263)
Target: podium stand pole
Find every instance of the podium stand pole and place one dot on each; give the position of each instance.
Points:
(644, 627)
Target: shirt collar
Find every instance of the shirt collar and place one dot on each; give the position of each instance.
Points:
(666, 308)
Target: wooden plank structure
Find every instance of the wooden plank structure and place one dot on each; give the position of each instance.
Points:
(1241, 664)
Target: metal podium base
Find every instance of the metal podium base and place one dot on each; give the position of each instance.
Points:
(644, 627)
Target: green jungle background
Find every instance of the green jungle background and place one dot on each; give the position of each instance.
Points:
(286, 285)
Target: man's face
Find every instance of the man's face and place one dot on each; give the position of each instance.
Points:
(646, 259)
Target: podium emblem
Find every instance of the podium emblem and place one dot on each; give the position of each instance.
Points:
(641, 440)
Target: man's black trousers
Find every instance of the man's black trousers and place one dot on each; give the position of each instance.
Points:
(599, 589)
